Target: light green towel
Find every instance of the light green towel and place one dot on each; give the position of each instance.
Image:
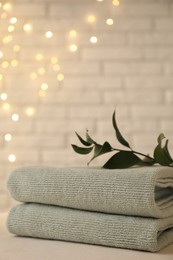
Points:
(53, 222)
(145, 191)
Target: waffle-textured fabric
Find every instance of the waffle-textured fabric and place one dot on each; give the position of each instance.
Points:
(53, 222)
(144, 191)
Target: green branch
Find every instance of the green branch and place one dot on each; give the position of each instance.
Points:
(124, 158)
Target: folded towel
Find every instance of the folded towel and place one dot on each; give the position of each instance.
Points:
(53, 222)
(145, 191)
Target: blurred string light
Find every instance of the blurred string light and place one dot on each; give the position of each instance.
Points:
(7, 6)
(39, 56)
(53, 60)
(7, 39)
(30, 111)
(44, 86)
(4, 16)
(116, 2)
(5, 64)
(93, 39)
(6, 106)
(7, 137)
(37, 74)
(91, 19)
(41, 71)
(12, 158)
(3, 96)
(60, 77)
(109, 21)
(56, 67)
(15, 117)
(42, 93)
(16, 48)
(14, 63)
(13, 20)
(1, 54)
(49, 34)
(73, 47)
(73, 33)
(11, 28)
(27, 27)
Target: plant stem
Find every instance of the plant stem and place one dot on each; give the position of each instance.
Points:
(147, 156)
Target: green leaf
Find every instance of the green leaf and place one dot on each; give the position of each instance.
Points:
(161, 153)
(161, 156)
(121, 160)
(82, 140)
(167, 151)
(160, 138)
(89, 139)
(118, 134)
(81, 150)
(97, 148)
(101, 149)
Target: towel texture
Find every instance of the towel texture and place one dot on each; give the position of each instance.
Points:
(53, 222)
(145, 191)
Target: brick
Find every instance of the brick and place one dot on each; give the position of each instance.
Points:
(28, 156)
(29, 10)
(111, 53)
(133, 68)
(22, 126)
(95, 112)
(20, 97)
(61, 157)
(168, 97)
(144, 9)
(147, 1)
(138, 126)
(68, 158)
(167, 127)
(76, 96)
(53, 110)
(133, 24)
(3, 177)
(62, 53)
(81, 68)
(62, 127)
(158, 53)
(168, 68)
(35, 141)
(95, 82)
(165, 24)
(8, 53)
(152, 38)
(130, 97)
(80, 10)
(149, 140)
(130, 129)
(104, 38)
(154, 82)
(3, 202)
(145, 143)
(59, 25)
(38, 38)
(157, 111)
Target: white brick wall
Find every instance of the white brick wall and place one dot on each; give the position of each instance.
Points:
(130, 67)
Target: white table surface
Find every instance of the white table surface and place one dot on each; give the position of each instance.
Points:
(18, 248)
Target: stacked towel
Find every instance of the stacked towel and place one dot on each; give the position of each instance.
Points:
(128, 208)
